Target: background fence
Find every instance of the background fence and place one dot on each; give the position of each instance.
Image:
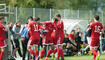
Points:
(46, 14)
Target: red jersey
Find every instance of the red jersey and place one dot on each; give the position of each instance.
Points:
(96, 28)
(71, 36)
(59, 28)
(49, 26)
(34, 30)
(2, 33)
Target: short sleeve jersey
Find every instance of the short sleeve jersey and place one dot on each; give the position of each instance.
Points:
(59, 28)
(2, 33)
(49, 26)
(96, 28)
(71, 36)
(34, 29)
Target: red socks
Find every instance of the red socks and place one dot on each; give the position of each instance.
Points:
(49, 52)
(31, 51)
(94, 52)
(94, 56)
(36, 53)
(42, 53)
(55, 50)
(61, 53)
(1, 55)
(58, 53)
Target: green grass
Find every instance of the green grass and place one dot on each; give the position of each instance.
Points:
(83, 57)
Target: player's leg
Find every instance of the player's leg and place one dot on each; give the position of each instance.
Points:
(51, 44)
(1, 52)
(94, 51)
(42, 51)
(45, 42)
(88, 40)
(36, 51)
(29, 47)
(59, 48)
(60, 52)
(51, 50)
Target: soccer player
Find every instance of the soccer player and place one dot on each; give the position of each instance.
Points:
(59, 36)
(96, 27)
(33, 29)
(47, 39)
(3, 43)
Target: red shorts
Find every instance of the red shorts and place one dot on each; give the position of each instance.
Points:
(94, 42)
(33, 41)
(58, 40)
(47, 40)
(3, 43)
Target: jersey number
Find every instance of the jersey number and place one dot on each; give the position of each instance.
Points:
(97, 28)
(35, 27)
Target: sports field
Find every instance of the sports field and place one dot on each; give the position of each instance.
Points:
(84, 57)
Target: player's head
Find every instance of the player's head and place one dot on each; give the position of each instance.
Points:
(58, 16)
(73, 31)
(18, 23)
(55, 20)
(96, 18)
(1, 19)
(30, 19)
(37, 19)
(91, 20)
(10, 24)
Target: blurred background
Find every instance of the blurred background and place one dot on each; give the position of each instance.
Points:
(46, 9)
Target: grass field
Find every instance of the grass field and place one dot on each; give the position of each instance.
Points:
(84, 57)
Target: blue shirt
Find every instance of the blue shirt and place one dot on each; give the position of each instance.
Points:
(24, 33)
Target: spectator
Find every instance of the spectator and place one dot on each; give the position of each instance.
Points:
(24, 39)
(66, 39)
(103, 40)
(88, 34)
(17, 29)
(71, 44)
(78, 39)
(72, 37)
(10, 25)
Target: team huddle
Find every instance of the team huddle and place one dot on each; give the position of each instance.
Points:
(52, 34)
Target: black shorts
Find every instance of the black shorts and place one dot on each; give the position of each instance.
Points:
(15, 43)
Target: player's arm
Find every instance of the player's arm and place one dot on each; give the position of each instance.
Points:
(29, 28)
(2, 27)
(90, 27)
(88, 30)
(73, 41)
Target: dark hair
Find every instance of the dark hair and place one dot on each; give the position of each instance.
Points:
(96, 17)
(73, 31)
(30, 18)
(58, 15)
(37, 19)
(1, 17)
(55, 19)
